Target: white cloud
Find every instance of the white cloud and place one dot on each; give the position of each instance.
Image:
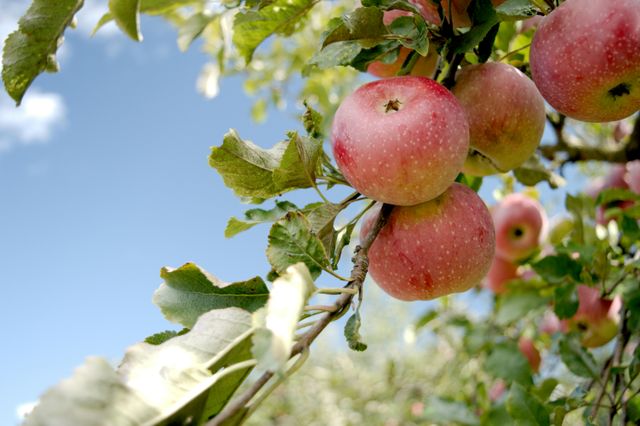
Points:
(33, 122)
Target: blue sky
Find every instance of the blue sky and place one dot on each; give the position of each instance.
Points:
(103, 180)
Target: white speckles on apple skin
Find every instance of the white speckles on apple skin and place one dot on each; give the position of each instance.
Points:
(583, 49)
(436, 248)
(417, 150)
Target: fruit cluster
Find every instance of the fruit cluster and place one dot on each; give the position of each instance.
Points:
(404, 140)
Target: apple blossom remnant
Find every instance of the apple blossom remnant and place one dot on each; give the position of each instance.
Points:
(585, 59)
(433, 249)
(400, 140)
(506, 116)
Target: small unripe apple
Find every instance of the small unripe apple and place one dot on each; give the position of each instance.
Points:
(400, 140)
(632, 177)
(585, 59)
(500, 273)
(425, 66)
(506, 116)
(433, 249)
(530, 352)
(519, 222)
(597, 319)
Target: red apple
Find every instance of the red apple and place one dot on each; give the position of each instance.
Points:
(597, 319)
(585, 59)
(632, 177)
(506, 117)
(530, 352)
(519, 221)
(400, 140)
(551, 324)
(530, 24)
(615, 178)
(425, 65)
(501, 272)
(433, 249)
(497, 390)
(459, 15)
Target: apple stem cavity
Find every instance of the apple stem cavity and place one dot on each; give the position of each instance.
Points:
(392, 105)
(620, 90)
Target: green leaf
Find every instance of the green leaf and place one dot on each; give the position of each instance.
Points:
(300, 163)
(188, 292)
(274, 339)
(532, 172)
(426, 318)
(312, 121)
(352, 333)
(254, 217)
(245, 167)
(343, 238)
(577, 359)
(516, 10)
(192, 28)
(525, 408)
(322, 216)
(485, 48)
(566, 301)
(507, 362)
(31, 49)
(163, 336)
(188, 376)
(610, 195)
(555, 268)
(445, 411)
(473, 182)
(126, 15)
(633, 409)
(252, 27)
(413, 29)
(363, 25)
(516, 304)
(291, 241)
(335, 54)
(544, 390)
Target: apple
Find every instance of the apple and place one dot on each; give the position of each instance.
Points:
(500, 273)
(519, 221)
(530, 352)
(632, 176)
(506, 116)
(615, 178)
(497, 390)
(597, 319)
(401, 140)
(585, 59)
(433, 249)
(621, 130)
(425, 65)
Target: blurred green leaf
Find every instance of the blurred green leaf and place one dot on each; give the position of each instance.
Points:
(543, 390)
(163, 336)
(507, 362)
(338, 53)
(525, 409)
(291, 241)
(189, 291)
(610, 195)
(516, 304)
(566, 301)
(555, 268)
(312, 121)
(363, 25)
(532, 172)
(633, 409)
(444, 411)
(252, 27)
(31, 49)
(473, 182)
(577, 359)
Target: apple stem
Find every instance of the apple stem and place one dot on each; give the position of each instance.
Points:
(392, 105)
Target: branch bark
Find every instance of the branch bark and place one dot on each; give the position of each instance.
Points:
(573, 150)
(358, 274)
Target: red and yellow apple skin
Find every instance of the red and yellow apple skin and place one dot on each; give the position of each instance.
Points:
(459, 15)
(506, 117)
(400, 140)
(500, 273)
(433, 249)
(530, 352)
(551, 324)
(519, 221)
(425, 66)
(585, 59)
(597, 319)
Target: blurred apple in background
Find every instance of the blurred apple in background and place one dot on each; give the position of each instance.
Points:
(597, 319)
(519, 221)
